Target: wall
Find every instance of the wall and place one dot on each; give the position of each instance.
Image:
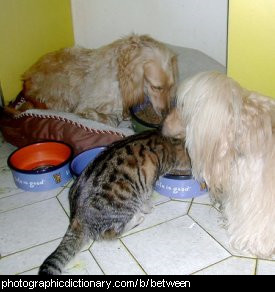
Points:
(199, 24)
(29, 29)
(251, 44)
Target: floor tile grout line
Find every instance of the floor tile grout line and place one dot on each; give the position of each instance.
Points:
(162, 203)
(90, 249)
(60, 203)
(204, 204)
(19, 192)
(30, 204)
(197, 203)
(255, 260)
(86, 250)
(134, 258)
(230, 254)
(225, 248)
(211, 265)
(150, 227)
(26, 249)
(209, 234)
(96, 260)
(169, 201)
(256, 267)
(212, 206)
(189, 208)
(57, 194)
(20, 273)
(267, 260)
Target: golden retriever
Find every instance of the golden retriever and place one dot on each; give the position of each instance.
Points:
(102, 84)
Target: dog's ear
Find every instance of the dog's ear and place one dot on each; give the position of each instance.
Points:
(256, 130)
(224, 122)
(208, 108)
(130, 76)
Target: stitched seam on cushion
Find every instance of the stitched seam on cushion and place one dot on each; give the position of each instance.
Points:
(53, 117)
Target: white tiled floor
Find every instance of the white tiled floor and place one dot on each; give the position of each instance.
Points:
(178, 237)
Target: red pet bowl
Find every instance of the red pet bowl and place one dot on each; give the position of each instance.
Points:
(41, 166)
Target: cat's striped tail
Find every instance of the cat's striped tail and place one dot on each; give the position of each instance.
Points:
(71, 243)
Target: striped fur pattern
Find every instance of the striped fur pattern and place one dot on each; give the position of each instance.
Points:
(113, 193)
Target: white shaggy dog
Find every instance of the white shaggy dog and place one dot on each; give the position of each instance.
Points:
(230, 137)
(101, 84)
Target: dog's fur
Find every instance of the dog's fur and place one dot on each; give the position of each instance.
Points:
(230, 137)
(102, 84)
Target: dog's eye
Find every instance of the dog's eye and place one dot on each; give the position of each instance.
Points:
(159, 88)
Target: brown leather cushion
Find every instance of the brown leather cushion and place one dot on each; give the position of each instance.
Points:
(32, 126)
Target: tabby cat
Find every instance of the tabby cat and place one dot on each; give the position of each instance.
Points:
(113, 193)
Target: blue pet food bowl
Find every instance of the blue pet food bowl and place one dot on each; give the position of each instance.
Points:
(41, 166)
(173, 186)
(179, 186)
(80, 162)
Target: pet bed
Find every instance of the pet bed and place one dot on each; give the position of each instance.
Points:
(35, 125)
(39, 125)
